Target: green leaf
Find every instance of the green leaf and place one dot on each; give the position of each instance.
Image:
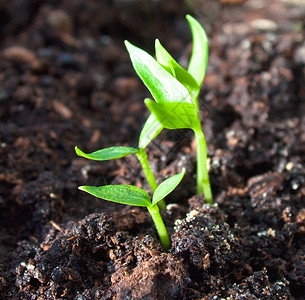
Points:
(199, 57)
(166, 187)
(151, 129)
(175, 115)
(107, 153)
(124, 194)
(183, 76)
(162, 85)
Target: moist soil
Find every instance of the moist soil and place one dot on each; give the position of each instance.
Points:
(66, 80)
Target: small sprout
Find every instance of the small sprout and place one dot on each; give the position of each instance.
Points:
(131, 195)
(175, 92)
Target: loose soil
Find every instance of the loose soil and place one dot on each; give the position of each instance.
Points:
(66, 80)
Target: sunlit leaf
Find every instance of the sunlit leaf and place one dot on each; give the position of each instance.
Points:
(199, 57)
(107, 153)
(166, 187)
(183, 76)
(162, 85)
(124, 194)
(175, 115)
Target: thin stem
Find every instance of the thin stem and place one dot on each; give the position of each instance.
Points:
(142, 157)
(155, 214)
(203, 182)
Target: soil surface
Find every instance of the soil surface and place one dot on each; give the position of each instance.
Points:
(66, 80)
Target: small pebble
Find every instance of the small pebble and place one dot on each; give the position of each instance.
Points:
(264, 25)
(299, 56)
(19, 55)
(60, 21)
(289, 166)
(62, 109)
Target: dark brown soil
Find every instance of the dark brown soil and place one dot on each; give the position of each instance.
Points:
(66, 80)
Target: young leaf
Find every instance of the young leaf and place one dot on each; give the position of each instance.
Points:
(162, 85)
(174, 115)
(166, 187)
(184, 77)
(107, 153)
(125, 194)
(199, 57)
(151, 129)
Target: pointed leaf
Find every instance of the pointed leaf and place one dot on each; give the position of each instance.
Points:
(107, 153)
(199, 57)
(183, 76)
(151, 129)
(162, 85)
(166, 187)
(124, 194)
(174, 115)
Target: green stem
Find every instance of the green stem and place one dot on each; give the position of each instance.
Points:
(203, 182)
(142, 157)
(155, 214)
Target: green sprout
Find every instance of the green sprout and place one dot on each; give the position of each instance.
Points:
(146, 137)
(175, 91)
(131, 195)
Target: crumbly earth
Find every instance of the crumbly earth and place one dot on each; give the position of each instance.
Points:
(66, 80)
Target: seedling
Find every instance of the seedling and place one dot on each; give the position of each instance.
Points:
(131, 195)
(175, 92)
(117, 152)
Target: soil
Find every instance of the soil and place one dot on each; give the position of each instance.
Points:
(66, 80)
